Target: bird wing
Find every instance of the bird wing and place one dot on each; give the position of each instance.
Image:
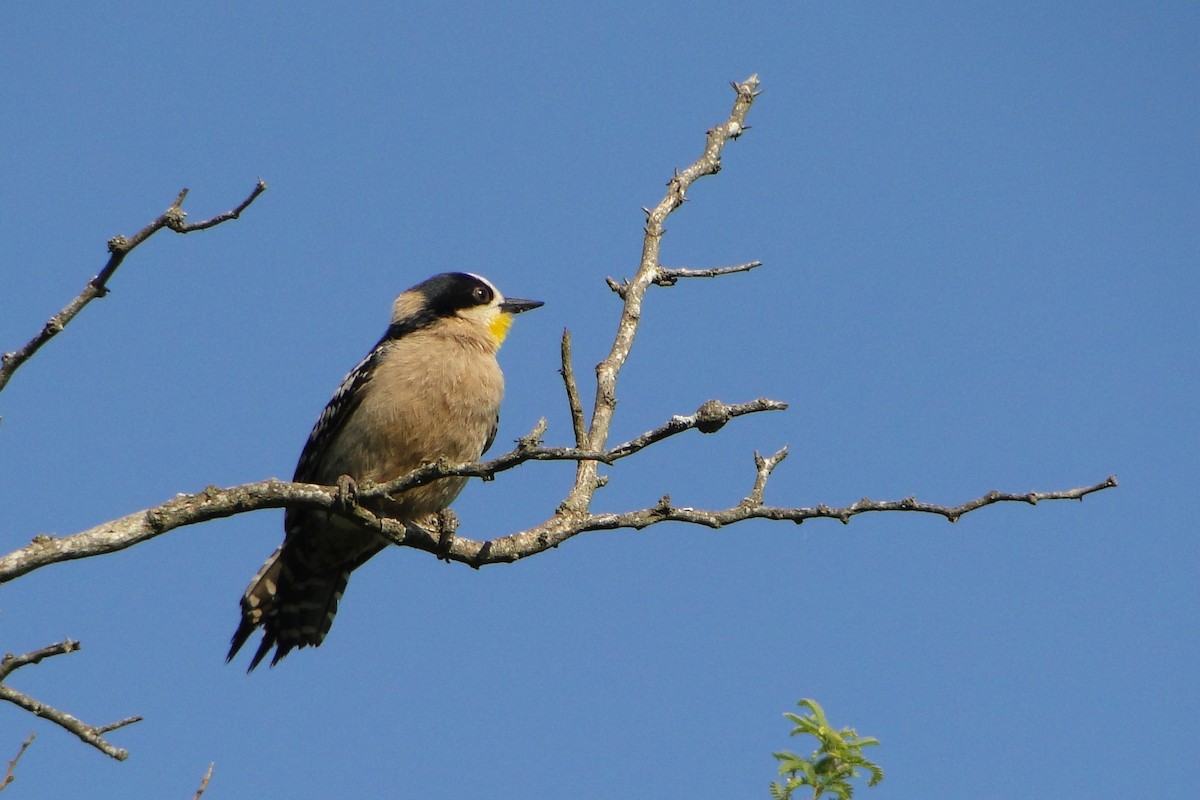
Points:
(491, 437)
(295, 595)
(337, 411)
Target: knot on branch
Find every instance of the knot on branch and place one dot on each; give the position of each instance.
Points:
(712, 416)
(663, 277)
(157, 519)
(175, 218)
(620, 287)
(534, 437)
(748, 89)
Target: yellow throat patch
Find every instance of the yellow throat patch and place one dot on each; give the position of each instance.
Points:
(499, 326)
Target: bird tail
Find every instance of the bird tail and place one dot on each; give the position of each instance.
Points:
(294, 605)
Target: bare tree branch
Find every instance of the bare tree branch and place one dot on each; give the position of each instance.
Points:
(214, 503)
(88, 733)
(709, 418)
(669, 277)
(11, 663)
(118, 248)
(204, 782)
(438, 535)
(572, 517)
(578, 425)
(10, 775)
(580, 497)
(561, 527)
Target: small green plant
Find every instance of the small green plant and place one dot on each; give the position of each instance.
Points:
(831, 767)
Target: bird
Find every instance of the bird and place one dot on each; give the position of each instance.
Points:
(430, 389)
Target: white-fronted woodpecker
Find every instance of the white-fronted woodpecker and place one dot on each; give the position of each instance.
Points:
(431, 388)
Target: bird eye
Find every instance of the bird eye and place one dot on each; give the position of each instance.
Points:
(482, 295)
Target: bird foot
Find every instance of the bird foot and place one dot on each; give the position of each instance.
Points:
(347, 496)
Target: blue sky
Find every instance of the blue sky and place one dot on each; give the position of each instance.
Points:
(979, 224)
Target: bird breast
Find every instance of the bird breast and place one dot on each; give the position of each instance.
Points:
(433, 397)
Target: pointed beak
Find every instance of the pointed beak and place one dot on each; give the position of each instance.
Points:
(515, 305)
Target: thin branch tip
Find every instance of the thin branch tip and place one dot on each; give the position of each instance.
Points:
(112, 726)
(204, 781)
(89, 734)
(574, 403)
(10, 774)
(665, 276)
(118, 248)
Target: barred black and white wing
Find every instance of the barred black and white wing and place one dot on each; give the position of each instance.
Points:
(294, 596)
